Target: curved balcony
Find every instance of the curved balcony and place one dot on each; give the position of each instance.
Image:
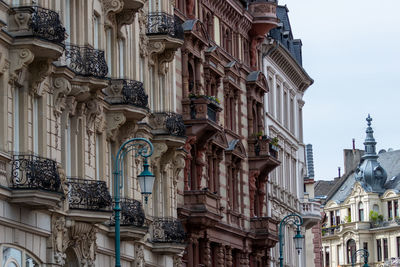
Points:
(200, 114)
(311, 213)
(167, 236)
(132, 220)
(263, 156)
(35, 27)
(264, 16)
(35, 181)
(128, 96)
(85, 61)
(165, 33)
(169, 127)
(88, 200)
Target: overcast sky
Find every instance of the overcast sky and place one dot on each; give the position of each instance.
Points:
(351, 48)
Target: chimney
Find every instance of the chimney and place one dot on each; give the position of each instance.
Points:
(338, 171)
(354, 144)
(310, 161)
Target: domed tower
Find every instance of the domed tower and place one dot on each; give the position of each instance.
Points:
(370, 173)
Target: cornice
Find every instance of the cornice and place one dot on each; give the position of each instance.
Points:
(297, 75)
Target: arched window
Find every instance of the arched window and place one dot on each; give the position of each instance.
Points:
(15, 257)
(360, 211)
(351, 248)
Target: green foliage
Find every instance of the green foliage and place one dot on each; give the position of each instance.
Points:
(375, 216)
(209, 97)
(274, 141)
(348, 218)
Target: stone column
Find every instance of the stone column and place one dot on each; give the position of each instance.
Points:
(229, 259)
(220, 256)
(244, 259)
(207, 260)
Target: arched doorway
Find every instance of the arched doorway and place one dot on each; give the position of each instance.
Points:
(351, 249)
(72, 259)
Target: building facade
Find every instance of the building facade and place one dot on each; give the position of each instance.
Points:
(221, 96)
(362, 209)
(78, 78)
(288, 82)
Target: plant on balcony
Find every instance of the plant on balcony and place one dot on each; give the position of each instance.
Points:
(213, 99)
(397, 220)
(347, 219)
(375, 218)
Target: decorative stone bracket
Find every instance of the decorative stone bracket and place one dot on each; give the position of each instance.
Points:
(113, 123)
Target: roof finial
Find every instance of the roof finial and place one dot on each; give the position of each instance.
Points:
(369, 119)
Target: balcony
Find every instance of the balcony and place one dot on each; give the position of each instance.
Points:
(169, 127)
(311, 213)
(264, 16)
(129, 97)
(86, 61)
(167, 236)
(165, 34)
(88, 200)
(35, 181)
(38, 29)
(132, 220)
(202, 209)
(265, 232)
(201, 116)
(330, 231)
(263, 155)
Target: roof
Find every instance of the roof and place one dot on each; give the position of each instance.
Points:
(284, 35)
(322, 188)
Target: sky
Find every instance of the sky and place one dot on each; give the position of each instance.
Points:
(351, 48)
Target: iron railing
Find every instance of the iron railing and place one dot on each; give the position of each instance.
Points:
(46, 24)
(86, 194)
(86, 61)
(168, 230)
(174, 124)
(132, 213)
(132, 92)
(160, 23)
(34, 172)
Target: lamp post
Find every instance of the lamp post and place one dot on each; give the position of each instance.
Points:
(143, 148)
(297, 220)
(364, 253)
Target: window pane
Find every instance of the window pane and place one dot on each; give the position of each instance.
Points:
(12, 255)
(30, 262)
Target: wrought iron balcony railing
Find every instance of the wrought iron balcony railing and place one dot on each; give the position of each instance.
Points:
(34, 172)
(128, 92)
(86, 194)
(86, 61)
(160, 23)
(132, 213)
(168, 230)
(43, 23)
(174, 124)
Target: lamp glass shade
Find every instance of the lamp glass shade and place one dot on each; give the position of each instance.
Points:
(298, 241)
(146, 181)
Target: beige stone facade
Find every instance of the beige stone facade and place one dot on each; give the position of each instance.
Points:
(78, 78)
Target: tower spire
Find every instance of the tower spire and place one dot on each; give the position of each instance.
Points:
(370, 143)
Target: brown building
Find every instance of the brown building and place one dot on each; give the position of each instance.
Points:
(220, 91)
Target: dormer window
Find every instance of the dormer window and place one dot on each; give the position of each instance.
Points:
(360, 211)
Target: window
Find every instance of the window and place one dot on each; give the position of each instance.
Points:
(14, 257)
(68, 158)
(121, 51)
(398, 246)
(96, 28)
(292, 115)
(278, 104)
(327, 260)
(67, 20)
(365, 245)
(109, 51)
(385, 249)
(379, 249)
(360, 211)
(349, 214)
(98, 155)
(16, 120)
(337, 217)
(332, 217)
(337, 254)
(35, 124)
(396, 208)
(285, 109)
(390, 212)
(351, 248)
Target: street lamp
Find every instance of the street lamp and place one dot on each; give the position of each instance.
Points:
(364, 253)
(143, 148)
(298, 239)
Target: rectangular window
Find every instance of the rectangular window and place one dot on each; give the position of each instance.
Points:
(110, 167)
(385, 249)
(278, 104)
(121, 51)
(379, 249)
(98, 138)
(16, 120)
(396, 208)
(337, 254)
(68, 157)
(292, 115)
(109, 51)
(35, 122)
(349, 214)
(285, 109)
(327, 260)
(390, 212)
(217, 33)
(96, 28)
(398, 246)
(365, 245)
(67, 20)
(332, 217)
(337, 217)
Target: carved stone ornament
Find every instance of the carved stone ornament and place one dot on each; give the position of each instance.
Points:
(94, 116)
(114, 121)
(39, 70)
(159, 150)
(178, 261)
(20, 60)
(139, 256)
(110, 8)
(4, 63)
(83, 240)
(60, 238)
(62, 88)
